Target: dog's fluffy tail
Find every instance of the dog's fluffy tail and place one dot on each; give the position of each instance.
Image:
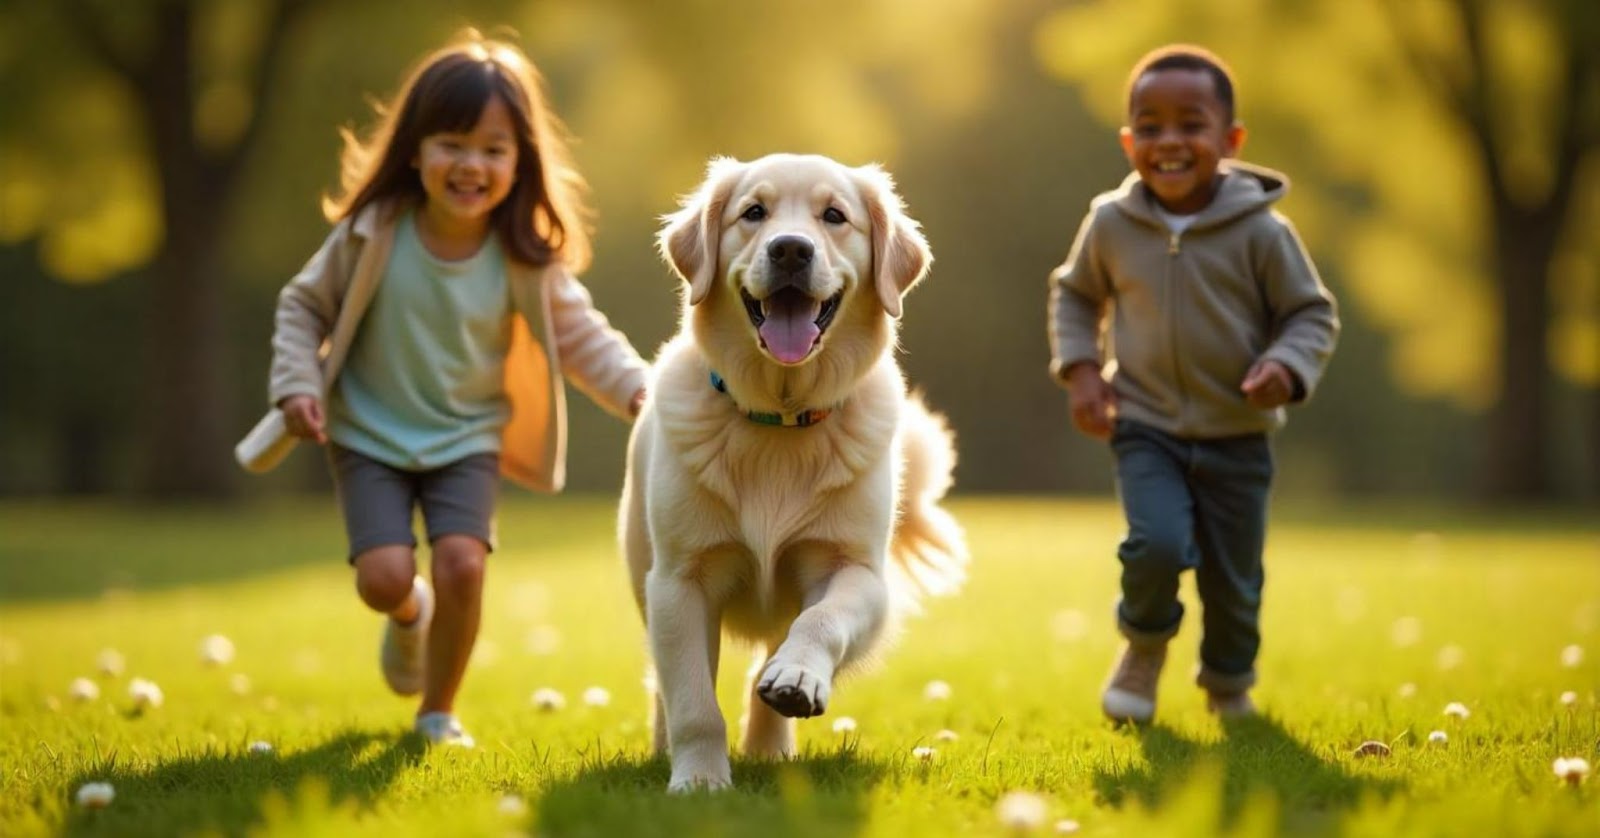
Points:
(928, 554)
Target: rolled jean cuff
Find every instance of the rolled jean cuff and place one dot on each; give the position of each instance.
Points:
(1145, 637)
(1217, 682)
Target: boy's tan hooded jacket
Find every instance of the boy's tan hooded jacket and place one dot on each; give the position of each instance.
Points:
(1190, 313)
(557, 330)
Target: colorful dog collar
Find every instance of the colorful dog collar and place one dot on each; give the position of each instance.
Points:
(804, 418)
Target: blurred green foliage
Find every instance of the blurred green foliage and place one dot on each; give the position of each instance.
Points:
(997, 119)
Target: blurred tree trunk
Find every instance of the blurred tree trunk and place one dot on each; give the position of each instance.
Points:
(1525, 234)
(1524, 247)
(184, 406)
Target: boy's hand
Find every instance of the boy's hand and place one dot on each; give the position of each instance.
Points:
(302, 415)
(1093, 402)
(636, 403)
(1267, 385)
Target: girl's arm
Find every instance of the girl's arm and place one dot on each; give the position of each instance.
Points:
(307, 309)
(597, 358)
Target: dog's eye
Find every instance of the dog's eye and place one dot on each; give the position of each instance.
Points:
(755, 212)
(833, 215)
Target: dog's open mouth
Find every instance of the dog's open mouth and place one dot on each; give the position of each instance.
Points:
(789, 321)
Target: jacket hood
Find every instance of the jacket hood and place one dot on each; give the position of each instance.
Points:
(1245, 188)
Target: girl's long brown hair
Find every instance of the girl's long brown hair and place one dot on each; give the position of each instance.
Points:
(546, 215)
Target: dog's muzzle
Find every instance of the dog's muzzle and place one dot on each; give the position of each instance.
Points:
(788, 319)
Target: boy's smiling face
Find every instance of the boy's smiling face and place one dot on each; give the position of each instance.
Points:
(1178, 132)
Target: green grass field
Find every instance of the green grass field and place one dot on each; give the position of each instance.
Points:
(1375, 620)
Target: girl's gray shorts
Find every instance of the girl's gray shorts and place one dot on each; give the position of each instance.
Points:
(378, 499)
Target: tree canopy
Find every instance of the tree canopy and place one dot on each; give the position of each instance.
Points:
(160, 164)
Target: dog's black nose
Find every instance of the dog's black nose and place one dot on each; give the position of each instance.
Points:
(791, 253)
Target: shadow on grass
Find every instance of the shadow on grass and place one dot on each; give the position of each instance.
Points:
(232, 792)
(1256, 755)
(817, 794)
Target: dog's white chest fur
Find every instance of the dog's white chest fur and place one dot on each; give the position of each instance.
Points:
(766, 488)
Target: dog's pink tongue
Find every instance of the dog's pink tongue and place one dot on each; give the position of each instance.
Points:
(791, 326)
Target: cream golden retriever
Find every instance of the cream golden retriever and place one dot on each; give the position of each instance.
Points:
(781, 484)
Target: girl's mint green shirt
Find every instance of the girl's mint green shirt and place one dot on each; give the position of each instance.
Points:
(423, 384)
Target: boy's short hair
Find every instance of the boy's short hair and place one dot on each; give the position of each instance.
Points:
(1187, 57)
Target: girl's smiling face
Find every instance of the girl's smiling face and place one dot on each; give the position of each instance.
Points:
(466, 174)
(1178, 132)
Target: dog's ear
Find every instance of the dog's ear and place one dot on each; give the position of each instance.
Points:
(900, 254)
(689, 237)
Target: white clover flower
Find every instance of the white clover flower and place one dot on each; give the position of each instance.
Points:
(1457, 710)
(1438, 737)
(259, 747)
(1571, 770)
(307, 662)
(1407, 690)
(946, 735)
(924, 753)
(1351, 604)
(1450, 656)
(1067, 826)
(239, 683)
(548, 700)
(1569, 698)
(512, 806)
(83, 689)
(1021, 810)
(597, 696)
(216, 650)
(145, 694)
(110, 663)
(1069, 625)
(485, 654)
(1571, 656)
(844, 724)
(96, 795)
(544, 640)
(1406, 631)
(936, 691)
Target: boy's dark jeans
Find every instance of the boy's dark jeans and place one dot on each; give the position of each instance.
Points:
(1202, 504)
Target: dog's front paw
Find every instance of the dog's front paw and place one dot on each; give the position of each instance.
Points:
(794, 691)
(696, 767)
(691, 782)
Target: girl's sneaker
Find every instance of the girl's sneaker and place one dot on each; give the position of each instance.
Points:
(440, 728)
(404, 653)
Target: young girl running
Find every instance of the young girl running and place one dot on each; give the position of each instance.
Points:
(426, 343)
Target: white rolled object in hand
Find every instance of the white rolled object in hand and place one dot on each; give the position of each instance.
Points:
(266, 445)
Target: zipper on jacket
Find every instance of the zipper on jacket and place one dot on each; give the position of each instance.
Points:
(1172, 280)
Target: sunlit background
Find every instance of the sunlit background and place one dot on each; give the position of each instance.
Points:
(161, 164)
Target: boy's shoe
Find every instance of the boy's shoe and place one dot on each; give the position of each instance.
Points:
(1230, 705)
(440, 728)
(1130, 695)
(404, 653)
